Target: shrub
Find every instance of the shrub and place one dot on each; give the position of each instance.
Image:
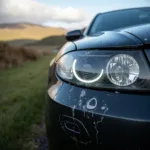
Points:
(15, 56)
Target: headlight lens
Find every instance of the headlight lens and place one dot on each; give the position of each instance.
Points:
(122, 70)
(87, 72)
(105, 69)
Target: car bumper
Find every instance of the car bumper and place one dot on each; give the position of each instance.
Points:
(79, 118)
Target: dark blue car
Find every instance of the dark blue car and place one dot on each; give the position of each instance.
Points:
(99, 85)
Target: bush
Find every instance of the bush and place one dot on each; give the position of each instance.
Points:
(15, 56)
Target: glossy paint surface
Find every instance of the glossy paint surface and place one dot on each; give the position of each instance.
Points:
(82, 118)
(147, 51)
(141, 32)
(109, 39)
(68, 47)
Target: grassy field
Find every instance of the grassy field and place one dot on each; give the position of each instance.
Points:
(22, 99)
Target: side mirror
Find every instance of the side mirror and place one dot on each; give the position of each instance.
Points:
(73, 35)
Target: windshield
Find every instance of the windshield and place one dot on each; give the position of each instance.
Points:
(120, 19)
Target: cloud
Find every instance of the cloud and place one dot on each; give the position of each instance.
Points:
(36, 12)
(69, 26)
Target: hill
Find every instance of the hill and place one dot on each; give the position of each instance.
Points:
(21, 42)
(52, 41)
(15, 31)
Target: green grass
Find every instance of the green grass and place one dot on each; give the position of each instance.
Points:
(22, 99)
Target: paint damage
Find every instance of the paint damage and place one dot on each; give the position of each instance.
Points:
(75, 128)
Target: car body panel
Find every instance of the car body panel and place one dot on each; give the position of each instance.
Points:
(141, 32)
(110, 39)
(115, 121)
(129, 37)
(68, 47)
(147, 51)
(128, 106)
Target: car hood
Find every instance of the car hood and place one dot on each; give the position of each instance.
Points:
(128, 37)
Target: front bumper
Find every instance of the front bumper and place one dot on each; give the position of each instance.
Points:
(79, 118)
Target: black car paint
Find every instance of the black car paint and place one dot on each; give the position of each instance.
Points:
(141, 32)
(147, 51)
(110, 39)
(118, 121)
(68, 47)
(73, 35)
(130, 37)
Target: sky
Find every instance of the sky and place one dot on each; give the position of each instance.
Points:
(68, 14)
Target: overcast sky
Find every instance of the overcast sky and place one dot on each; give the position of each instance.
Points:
(61, 13)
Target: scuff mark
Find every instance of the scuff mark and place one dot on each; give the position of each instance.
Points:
(73, 115)
(70, 91)
(91, 104)
(95, 126)
(117, 92)
(84, 110)
(83, 93)
(80, 103)
(90, 107)
(92, 114)
(87, 52)
(73, 110)
(105, 109)
(76, 135)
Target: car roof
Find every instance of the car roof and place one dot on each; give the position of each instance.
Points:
(122, 9)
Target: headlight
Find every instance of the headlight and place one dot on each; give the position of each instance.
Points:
(86, 72)
(105, 69)
(122, 70)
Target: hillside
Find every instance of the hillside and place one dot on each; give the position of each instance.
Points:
(52, 41)
(21, 42)
(26, 31)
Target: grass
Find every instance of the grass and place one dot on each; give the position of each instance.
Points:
(22, 99)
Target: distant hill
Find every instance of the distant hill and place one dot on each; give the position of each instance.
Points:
(52, 41)
(11, 26)
(17, 25)
(15, 31)
(21, 42)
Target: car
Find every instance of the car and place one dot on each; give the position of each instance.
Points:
(99, 85)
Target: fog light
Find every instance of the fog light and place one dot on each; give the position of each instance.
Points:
(122, 70)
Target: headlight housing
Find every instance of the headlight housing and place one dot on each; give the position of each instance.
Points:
(105, 69)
